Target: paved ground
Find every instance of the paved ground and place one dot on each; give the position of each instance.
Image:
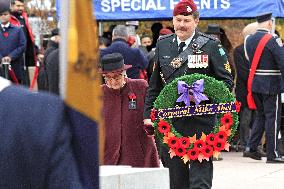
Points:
(236, 172)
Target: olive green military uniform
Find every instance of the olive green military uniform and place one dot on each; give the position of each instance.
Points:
(203, 55)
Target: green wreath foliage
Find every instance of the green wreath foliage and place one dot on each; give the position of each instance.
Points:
(215, 90)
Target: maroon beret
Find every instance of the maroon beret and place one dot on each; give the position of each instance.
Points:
(185, 7)
(165, 31)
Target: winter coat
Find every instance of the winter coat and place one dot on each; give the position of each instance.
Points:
(126, 142)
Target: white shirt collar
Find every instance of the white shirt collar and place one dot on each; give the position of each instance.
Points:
(6, 25)
(4, 83)
(187, 42)
(264, 29)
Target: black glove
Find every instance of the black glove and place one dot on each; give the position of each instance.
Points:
(149, 129)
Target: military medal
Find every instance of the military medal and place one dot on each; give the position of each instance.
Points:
(176, 63)
(198, 61)
(132, 101)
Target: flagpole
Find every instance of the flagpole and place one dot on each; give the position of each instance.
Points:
(64, 20)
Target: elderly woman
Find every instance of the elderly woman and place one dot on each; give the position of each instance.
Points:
(123, 102)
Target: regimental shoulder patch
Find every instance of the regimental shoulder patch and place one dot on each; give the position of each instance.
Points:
(228, 67)
(221, 51)
(279, 41)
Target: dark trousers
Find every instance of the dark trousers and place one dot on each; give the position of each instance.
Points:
(193, 175)
(247, 117)
(268, 120)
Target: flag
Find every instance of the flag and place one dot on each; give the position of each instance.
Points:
(80, 85)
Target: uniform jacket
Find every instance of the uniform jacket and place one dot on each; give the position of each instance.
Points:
(14, 45)
(131, 56)
(126, 142)
(42, 80)
(52, 71)
(164, 73)
(35, 142)
(30, 54)
(269, 75)
(242, 68)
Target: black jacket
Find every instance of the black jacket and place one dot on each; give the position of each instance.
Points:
(52, 68)
(242, 69)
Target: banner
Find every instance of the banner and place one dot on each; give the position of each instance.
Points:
(188, 111)
(163, 9)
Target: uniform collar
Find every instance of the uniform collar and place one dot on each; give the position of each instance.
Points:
(263, 30)
(187, 42)
(6, 25)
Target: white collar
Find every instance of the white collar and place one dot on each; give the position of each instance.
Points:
(187, 42)
(4, 83)
(6, 25)
(264, 29)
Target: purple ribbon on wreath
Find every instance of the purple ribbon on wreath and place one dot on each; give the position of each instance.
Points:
(196, 90)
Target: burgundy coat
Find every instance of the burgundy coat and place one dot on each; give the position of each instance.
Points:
(126, 142)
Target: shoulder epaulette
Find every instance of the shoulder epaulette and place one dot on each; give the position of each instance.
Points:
(165, 36)
(209, 36)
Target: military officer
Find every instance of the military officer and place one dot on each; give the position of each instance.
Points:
(186, 52)
(265, 84)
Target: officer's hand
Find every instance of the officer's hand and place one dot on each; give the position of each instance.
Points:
(148, 127)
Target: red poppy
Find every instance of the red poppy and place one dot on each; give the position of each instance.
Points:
(173, 142)
(210, 139)
(207, 151)
(193, 154)
(5, 34)
(219, 145)
(238, 106)
(164, 127)
(199, 144)
(221, 136)
(153, 115)
(131, 96)
(227, 119)
(184, 142)
(180, 150)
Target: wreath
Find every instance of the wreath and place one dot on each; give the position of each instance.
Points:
(189, 147)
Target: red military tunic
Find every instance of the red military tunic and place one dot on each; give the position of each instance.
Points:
(126, 142)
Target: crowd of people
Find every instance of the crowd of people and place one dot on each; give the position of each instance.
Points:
(261, 122)
(134, 71)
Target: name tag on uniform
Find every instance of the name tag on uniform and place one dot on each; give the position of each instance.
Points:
(198, 61)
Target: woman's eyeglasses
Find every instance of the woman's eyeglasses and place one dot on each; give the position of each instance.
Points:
(115, 77)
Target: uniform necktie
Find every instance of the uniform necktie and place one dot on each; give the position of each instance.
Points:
(180, 47)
